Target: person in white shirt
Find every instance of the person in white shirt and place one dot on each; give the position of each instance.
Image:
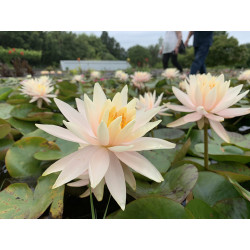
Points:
(170, 49)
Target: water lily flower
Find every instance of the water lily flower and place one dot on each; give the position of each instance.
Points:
(139, 78)
(39, 89)
(78, 78)
(44, 72)
(148, 101)
(182, 85)
(94, 75)
(109, 134)
(121, 76)
(208, 97)
(170, 73)
(245, 76)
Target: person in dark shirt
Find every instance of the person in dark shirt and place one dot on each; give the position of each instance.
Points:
(202, 42)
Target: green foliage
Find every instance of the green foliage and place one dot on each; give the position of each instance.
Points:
(137, 55)
(8, 54)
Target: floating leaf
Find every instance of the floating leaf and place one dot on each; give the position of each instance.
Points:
(40, 133)
(234, 208)
(234, 170)
(19, 158)
(242, 191)
(17, 201)
(201, 210)
(225, 153)
(4, 146)
(24, 127)
(169, 134)
(177, 184)
(4, 93)
(5, 110)
(211, 188)
(4, 130)
(17, 99)
(152, 208)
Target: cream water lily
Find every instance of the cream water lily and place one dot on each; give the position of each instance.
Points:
(139, 78)
(148, 101)
(109, 132)
(39, 89)
(208, 97)
(245, 76)
(170, 73)
(121, 76)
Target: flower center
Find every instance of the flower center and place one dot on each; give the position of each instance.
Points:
(113, 114)
(41, 88)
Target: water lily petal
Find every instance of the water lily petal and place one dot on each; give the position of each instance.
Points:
(129, 177)
(219, 130)
(79, 183)
(140, 164)
(179, 108)
(115, 181)
(99, 190)
(183, 98)
(233, 112)
(103, 134)
(185, 119)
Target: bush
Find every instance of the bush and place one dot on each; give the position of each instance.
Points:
(8, 54)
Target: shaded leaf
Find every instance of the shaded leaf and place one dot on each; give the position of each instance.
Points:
(242, 191)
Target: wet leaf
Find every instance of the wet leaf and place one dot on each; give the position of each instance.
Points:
(234, 170)
(152, 208)
(18, 201)
(211, 188)
(19, 158)
(201, 210)
(234, 208)
(177, 184)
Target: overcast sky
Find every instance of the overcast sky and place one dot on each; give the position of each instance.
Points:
(128, 39)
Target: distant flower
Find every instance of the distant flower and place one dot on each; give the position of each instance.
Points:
(59, 72)
(149, 102)
(44, 72)
(208, 97)
(182, 85)
(139, 78)
(146, 59)
(14, 49)
(52, 72)
(109, 134)
(121, 76)
(95, 75)
(78, 59)
(170, 73)
(245, 76)
(78, 78)
(128, 59)
(21, 53)
(39, 89)
(10, 51)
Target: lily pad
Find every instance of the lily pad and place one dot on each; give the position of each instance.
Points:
(234, 208)
(17, 99)
(4, 93)
(211, 188)
(19, 158)
(201, 210)
(225, 153)
(5, 110)
(4, 146)
(242, 191)
(4, 130)
(169, 134)
(18, 201)
(177, 184)
(234, 170)
(24, 127)
(152, 208)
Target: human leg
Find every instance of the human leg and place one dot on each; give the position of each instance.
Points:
(165, 59)
(199, 60)
(175, 62)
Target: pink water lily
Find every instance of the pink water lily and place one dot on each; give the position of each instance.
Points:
(109, 133)
(208, 97)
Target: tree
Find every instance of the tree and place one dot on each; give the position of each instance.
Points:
(137, 55)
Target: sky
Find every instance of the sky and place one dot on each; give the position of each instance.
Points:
(128, 39)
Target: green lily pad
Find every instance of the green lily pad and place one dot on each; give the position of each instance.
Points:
(5, 110)
(225, 153)
(17, 99)
(201, 210)
(19, 158)
(211, 188)
(40, 133)
(242, 191)
(234, 208)
(4, 146)
(152, 208)
(24, 127)
(4, 130)
(169, 134)
(197, 162)
(29, 112)
(177, 184)
(62, 149)
(181, 153)
(18, 201)
(234, 170)
(4, 93)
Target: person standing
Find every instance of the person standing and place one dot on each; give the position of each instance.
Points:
(202, 42)
(170, 49)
